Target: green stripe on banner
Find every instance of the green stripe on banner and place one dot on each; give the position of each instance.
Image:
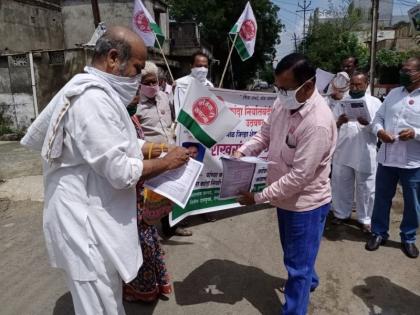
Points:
(241, 48)
(207, 198)
(156, 29)
(195, 129)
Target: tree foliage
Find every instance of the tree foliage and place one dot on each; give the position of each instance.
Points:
(216, 18)
(328, 43)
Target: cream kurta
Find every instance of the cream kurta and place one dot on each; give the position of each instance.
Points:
(356, 144)
(90, 189)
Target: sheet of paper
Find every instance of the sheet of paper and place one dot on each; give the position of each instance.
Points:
(354, 108)
(323, 78)
(177, 185)
(237, 177)
(248, 159)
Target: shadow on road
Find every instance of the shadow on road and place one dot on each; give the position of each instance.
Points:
(64, 305)
(225, 281)
(390, 298)
(350, 231)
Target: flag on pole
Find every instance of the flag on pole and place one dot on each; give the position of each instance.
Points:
(145, 26)
(207, 118)
(246, 26)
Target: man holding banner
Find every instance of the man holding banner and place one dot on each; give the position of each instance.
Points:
(300, 135)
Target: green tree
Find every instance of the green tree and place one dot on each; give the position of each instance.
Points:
(328, 43)
(216, 18)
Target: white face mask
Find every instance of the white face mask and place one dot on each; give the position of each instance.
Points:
(288, 98)
(200, 73)
(126, 87)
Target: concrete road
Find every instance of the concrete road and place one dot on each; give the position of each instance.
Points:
(231, 266)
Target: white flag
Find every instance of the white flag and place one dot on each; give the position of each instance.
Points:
(207, 118)
(145, 26)
(246, 26)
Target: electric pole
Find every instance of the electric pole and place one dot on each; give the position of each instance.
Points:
(295, 40)
(374, 32)
(304, 9)
(95, 11)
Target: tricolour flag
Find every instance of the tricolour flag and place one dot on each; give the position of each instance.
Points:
(145, 26)
(246, 26)
(207, 118)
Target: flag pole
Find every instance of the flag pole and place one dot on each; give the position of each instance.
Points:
(164, 58)
(228, 59)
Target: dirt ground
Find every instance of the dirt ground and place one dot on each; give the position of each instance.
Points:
(231, 266)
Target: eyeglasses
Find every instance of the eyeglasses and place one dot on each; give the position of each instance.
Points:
(284, 91)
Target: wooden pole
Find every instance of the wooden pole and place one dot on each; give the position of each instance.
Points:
(96, 14)
(164, 58)
(228, 59)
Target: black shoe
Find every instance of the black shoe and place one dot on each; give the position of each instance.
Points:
(374, 242)
(410, 250)
(338, 221)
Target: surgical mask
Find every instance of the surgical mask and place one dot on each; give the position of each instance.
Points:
(200, 73)
(288, 98)
(126, 87)
(149, 91)
(357, 94)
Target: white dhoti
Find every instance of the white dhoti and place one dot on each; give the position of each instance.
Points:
(101, 296)
(348, 185)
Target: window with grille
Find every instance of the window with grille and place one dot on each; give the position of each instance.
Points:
(56, 57)
(19, 60)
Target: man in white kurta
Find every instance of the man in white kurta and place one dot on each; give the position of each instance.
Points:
(354, 161)
(92, 163)
(199, 71)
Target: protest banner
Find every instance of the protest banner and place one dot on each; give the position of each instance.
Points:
(252, 108)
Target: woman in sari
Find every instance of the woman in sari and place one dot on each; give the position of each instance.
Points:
(152, 279)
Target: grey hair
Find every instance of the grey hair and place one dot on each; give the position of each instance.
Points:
(107, 42)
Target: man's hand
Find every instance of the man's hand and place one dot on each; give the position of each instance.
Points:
(176, 157)
(342, 119)
(362, 121)
(407, 134)
(247, 199)
(238, 154)
(385, 137)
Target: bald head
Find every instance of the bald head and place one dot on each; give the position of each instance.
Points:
(120, 51)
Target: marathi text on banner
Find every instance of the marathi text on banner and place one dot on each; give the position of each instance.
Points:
(252, 108)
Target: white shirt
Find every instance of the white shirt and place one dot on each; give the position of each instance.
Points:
(400, 110)
(356, 145)
(90, 193)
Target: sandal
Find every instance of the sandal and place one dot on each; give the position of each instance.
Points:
(182, 232)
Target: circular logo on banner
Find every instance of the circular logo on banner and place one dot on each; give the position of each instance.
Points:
(205, 110)
(140, 20)
(248, 30)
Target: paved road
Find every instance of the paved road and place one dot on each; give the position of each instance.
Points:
(231, 266)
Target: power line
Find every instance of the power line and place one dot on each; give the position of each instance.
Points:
(304, 9)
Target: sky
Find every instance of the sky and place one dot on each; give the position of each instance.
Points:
(293, 21)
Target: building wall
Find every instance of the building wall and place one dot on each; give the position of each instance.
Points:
(79, 24)
(385, 11)
(16, 102)
(36, 24)
(52, 69)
